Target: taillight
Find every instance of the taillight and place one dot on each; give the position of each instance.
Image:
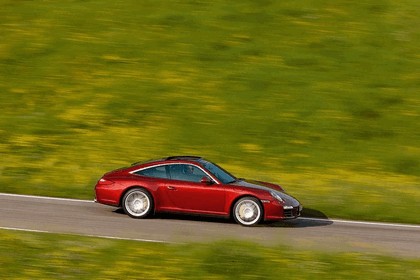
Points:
(103, 181)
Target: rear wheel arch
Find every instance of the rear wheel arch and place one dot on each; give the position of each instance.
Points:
(136, 187)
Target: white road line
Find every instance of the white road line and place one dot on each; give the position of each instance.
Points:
(362, 223)
(303, 218)
(45, 197)
(87, 235)
(24, 229)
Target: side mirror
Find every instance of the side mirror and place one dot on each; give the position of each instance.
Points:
(206, 180)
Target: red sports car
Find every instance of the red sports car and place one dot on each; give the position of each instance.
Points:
(193, 185)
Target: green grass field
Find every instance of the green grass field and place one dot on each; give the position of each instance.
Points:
(47, 256)
(321, 97)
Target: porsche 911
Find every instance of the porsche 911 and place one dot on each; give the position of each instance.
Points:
(193, 185)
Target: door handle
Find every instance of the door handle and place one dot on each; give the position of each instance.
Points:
(171, 188)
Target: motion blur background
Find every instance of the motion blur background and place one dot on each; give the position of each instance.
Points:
(321, 97)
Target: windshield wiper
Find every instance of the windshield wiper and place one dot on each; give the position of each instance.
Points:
(235, 180)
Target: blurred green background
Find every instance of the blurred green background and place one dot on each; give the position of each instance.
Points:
(321, 97)
(45, 256)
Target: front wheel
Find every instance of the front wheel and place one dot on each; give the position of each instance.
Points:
(247, 211)
(137, 203)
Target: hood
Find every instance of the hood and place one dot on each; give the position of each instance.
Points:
(255, 185)
(289, 200)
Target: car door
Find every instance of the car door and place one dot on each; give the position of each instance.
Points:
(188, 194)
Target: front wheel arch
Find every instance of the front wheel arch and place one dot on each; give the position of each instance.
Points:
(251, 198)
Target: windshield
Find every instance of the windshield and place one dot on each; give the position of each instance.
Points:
(221, 174)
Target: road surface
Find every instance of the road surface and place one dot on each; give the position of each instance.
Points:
(82, 217)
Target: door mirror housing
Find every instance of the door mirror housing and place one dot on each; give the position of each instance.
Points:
(206, 180)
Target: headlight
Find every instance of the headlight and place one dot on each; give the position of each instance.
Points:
(276, 196)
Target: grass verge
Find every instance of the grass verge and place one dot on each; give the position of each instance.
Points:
(51, 256)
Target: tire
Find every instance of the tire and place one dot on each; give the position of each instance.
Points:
(248, 211)
(137, 203)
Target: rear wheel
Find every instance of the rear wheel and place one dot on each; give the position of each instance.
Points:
(137, 203)
(247, 211)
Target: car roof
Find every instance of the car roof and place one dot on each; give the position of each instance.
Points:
(171, 158)
(194, 158)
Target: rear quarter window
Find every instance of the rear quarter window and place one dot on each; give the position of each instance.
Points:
(155, 172)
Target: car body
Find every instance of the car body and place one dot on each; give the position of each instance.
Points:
(193, 185)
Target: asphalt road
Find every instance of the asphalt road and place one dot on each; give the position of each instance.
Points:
(88, 218)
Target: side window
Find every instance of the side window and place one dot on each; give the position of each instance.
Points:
(155, 172)
(186, 172)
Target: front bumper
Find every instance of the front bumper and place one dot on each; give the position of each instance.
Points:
(275, 211)
(290, 212)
